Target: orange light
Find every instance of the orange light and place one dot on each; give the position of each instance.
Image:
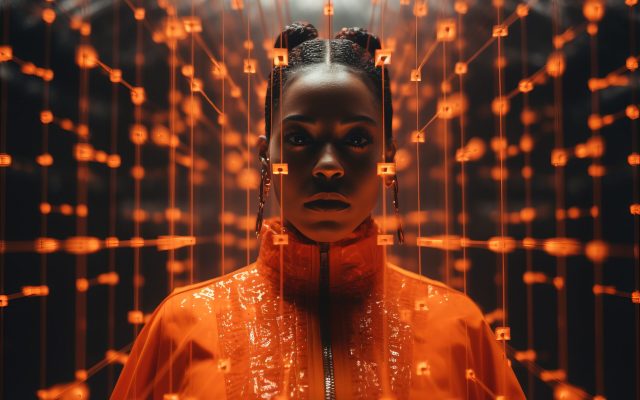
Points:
(111, 242)
(48, 15)
(108, 278)
(5, 160)
(555, 64)
(28, 291)
(446, 30)
(139, 14)
(138, 96)
(500, 106)
(461, 7)
(192, 24)
(502, 244)
(175, 242)
(6, 53)
(113, 161)
(44, 245)
(593, 10)
(500, 31)
(86, 56)
(420, 8)
(382, 57)
(138, 134)
(83, 152)
(562, 247)
(135, 317)
(280, 57)
(82, 245)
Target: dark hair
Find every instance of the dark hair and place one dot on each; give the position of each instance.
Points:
(352, 47)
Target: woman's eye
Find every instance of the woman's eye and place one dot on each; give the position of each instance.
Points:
(298, 138)
(357, 140)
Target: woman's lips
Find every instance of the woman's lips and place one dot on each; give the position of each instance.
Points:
(326, 205)
(327, 201)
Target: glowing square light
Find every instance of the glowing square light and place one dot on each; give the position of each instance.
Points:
(135, 317)
(386, 169)
(446, 30)
(416, 76)
(385, 240)
(224, 365)
(250, 66)
(280, 57)
(328, 9)
(192, 24)
(6, 53)
(382, 57)
(500, 30)
(417, 136)
(281, 239)
(503, 333)
(280, 168)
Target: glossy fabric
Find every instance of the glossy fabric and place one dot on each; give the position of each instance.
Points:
(232, 337)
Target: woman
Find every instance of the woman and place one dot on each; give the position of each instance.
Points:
(349, 325)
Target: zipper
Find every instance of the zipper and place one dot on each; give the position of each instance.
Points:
(325, 324)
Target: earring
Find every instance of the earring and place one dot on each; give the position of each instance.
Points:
(397, 209)
(265, 184)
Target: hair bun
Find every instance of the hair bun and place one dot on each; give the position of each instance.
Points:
(294, 34)
(360, 36)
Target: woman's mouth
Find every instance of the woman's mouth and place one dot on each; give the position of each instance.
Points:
(327, 201)
(326, 205)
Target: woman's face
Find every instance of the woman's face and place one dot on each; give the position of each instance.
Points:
(331, 140)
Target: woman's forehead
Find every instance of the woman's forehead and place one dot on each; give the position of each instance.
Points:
(328, 89)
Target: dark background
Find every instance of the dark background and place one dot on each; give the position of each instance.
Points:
(22, 185)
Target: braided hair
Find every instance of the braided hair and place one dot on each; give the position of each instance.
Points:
(352, 47)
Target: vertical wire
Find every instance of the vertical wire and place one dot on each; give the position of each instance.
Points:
(3, 148)
(137, 276)
(111, 293)
(528, 224)
(223, 126)
(445, 170)
(503, 365)
(463, 196)
(172, 174)
(81, 199)
(248, 140)
(597, 230)
(43, 216)
(561, 265)
(386, 379)
(417, 139)
(281, 246)
(191, 165)
(445, 141)
(636, 192)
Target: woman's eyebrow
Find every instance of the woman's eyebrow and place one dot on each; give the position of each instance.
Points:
(358, 118)
(300, 118)
(311, 120)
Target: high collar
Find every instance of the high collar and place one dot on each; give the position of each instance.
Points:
(355, 262)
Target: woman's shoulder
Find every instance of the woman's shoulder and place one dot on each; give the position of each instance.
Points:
(436, 297)
(198, 301)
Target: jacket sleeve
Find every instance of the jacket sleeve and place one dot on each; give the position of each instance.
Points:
(174, 353)
(491, 371)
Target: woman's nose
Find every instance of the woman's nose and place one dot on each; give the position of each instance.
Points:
(328, 166)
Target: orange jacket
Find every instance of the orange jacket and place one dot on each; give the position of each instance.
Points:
(346, 328)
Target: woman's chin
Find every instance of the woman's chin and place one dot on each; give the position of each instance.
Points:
(324, 231)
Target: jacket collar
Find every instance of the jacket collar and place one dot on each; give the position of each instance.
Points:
(355, 262)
